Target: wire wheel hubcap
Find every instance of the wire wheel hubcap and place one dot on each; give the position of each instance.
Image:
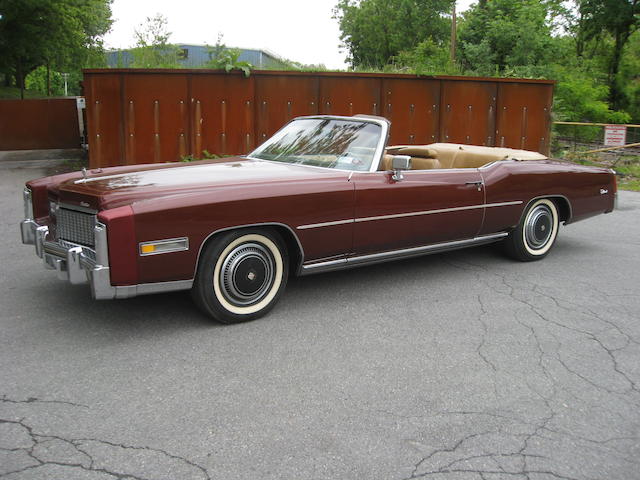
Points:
(247, 274)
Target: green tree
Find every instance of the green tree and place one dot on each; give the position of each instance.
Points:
(376, 31)
(497, 36)
(617, 18)
(153, 49)
(59, 34)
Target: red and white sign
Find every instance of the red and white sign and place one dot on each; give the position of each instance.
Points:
(615, 135)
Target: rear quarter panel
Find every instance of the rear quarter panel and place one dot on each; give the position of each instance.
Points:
(527, 180)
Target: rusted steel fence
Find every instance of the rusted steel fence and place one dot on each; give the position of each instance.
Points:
(34, 124)
(140, 116)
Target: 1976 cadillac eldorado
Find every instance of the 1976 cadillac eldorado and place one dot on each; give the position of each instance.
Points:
(324, 193)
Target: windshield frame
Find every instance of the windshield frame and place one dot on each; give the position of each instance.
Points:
(377, 154)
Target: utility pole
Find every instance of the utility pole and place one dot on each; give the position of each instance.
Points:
(453, 35)
(65, 76)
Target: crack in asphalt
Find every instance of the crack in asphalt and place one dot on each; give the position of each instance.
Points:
(80, 447)
(5, 399)
(544, 356)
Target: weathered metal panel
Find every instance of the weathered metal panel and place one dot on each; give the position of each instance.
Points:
(39, 124)
(355, 96)
(138, 116)
(222, 114)
(279, 98)
(156, 119)
(524, 116)
(468, 112)
(105, 134)
(413, 107)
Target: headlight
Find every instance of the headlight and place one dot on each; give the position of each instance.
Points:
(28, 203)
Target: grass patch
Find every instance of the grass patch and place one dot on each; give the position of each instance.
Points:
(629, 183)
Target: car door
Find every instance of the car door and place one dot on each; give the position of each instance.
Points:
(425, 207)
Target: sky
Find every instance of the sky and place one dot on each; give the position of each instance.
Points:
(299, 30)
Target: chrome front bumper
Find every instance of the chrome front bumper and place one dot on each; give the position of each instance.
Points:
(75, 263)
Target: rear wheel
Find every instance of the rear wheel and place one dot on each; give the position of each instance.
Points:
(536, 233)
(241, 275)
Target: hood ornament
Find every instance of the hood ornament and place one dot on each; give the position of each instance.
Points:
(84, 173)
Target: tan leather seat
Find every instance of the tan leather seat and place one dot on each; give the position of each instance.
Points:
(465, 159)
(417, 163)
(385, 163)
(422, 158)
(454, 155)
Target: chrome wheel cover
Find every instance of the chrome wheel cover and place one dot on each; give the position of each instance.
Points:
(539, 226)
(247, 274)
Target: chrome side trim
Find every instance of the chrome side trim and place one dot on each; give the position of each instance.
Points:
(374, 258)
(237, 227)
(440, 210)
(324, 224)
(128, 291)
(407, 214)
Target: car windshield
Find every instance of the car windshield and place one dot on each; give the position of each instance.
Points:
(323, 142)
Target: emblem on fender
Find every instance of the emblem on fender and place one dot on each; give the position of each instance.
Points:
(603, 191)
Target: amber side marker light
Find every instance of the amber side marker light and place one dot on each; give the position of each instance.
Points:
(164, 246)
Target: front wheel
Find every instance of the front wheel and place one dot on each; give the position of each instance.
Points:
(241, 275)
(536, 233)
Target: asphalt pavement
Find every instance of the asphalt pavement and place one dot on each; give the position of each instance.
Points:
(464, 365)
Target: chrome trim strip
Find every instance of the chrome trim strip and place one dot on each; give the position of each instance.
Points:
(380, 257)
(440, 210)
(324, 224)
(183, 248)
(407, 214)
(128, 291)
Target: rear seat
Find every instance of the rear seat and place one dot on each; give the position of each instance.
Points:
(452, 155)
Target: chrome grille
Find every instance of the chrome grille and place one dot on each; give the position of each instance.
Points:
(75, 226)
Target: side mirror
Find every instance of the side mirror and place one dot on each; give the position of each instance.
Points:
(398, 164)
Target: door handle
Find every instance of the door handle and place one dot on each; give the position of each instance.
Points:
(478, 184)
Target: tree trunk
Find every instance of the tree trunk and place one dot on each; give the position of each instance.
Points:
(616, 96)
(48, 79)
(20, 79)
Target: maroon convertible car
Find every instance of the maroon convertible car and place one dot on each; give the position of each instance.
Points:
(324, 193)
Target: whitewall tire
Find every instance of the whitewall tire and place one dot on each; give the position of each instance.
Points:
(536, 233)
(241, 275)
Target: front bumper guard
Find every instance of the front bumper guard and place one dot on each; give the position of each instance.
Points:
(80, 264)
(74, 263)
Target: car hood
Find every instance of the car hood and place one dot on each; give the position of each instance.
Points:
(114, 187)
